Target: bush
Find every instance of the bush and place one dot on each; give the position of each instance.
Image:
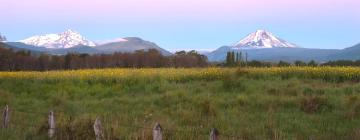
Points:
(313, 104)
(207, 108)
(283, 64)
(231, 83)
(353, 105)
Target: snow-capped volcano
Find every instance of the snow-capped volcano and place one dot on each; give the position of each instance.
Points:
(262, 39)
(65, 39)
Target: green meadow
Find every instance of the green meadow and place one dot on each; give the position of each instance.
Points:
(241, 104)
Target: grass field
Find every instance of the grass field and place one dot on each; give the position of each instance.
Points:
(245, 103)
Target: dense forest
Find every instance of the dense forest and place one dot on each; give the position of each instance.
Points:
(22, 60)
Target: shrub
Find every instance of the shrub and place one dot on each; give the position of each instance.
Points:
(231, 82)
(353, 105)
(207, 108)
(313, 104)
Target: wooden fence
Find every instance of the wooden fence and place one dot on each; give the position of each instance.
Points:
(157, 130)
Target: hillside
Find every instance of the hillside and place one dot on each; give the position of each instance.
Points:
(276, 54)
(131, 44)
(15, 48)
(351, 53)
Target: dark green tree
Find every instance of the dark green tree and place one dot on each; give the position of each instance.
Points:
(237, 57)
(312, 63)
(67, 63)
(230, 59)
(299, 63)
(283, 64)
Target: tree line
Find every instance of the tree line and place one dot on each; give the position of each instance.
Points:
(312, 63)
(240, 59)
(22, 60)
(236, 59)
(11, 60)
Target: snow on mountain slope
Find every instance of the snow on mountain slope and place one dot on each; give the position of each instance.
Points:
(66, 39)
(262, 39)
(260, 45)
(111, 41)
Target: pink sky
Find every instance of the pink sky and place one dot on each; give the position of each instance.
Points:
(176, 24)
(192, 9)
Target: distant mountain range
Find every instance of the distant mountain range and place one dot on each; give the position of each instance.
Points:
(16, 49)
(259, 45)
(264, 46)
(72, 41)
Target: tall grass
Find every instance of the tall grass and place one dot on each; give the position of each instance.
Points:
(248, 103)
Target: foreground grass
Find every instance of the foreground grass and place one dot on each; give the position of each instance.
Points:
(247, 103)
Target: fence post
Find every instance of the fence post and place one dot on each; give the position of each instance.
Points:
(51, 122)
(214, 134)
(157, 132)
(98, 129)
(6, 117)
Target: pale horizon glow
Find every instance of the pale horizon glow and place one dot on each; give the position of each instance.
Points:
(180, 24)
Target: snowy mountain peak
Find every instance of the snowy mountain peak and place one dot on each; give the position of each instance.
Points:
(66, 39)
(262, 39)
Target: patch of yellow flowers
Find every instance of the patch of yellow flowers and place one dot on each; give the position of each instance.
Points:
(119, 73)
(326, 73)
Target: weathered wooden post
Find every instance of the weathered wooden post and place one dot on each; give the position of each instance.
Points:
(51, 122)
(157, 132)
(214, 134)
(6, 117)
(98, 129)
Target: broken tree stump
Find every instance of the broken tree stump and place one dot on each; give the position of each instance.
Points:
(51, 122)
(98, 129)
(6, 117)
(157, 132)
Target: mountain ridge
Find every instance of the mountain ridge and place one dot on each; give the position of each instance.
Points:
(72, 41)
(264, 46)
(260, 45)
